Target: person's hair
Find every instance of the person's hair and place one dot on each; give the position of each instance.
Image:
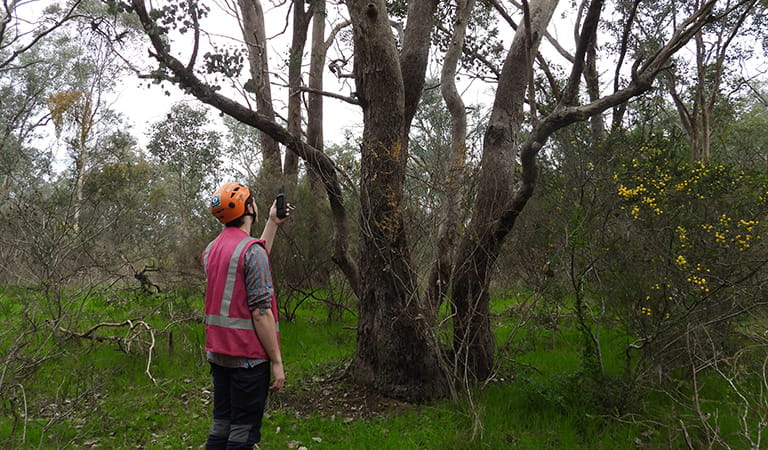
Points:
(239, 221)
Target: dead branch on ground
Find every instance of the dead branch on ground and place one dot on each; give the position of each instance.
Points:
(135, 328)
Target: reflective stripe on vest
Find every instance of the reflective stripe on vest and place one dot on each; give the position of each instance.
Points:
(223, 320)
(205, 259)
(229, 322)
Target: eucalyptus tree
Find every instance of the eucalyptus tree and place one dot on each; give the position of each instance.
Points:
(78, 108)
(38, 39)
(252, 24)
(702, 85)
(188, 150)
(397, 351)
(53, 74)
(30, 65)
(125, 194)
(242, 142)
(746, 137)
(22, 115)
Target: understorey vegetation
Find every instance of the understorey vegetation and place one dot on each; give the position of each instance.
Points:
(639, 321)
(130, 372)
(506, 235)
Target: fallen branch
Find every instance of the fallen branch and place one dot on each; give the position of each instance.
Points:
(127, 340)
(88, 334)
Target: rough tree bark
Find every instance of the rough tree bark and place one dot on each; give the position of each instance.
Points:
(394, 351)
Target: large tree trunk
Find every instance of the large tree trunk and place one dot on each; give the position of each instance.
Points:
(493, 216)
(496, 210)
(394, 351)
(255, 38)
(617, 116)
(473, 339)
(415, 56)
(592, 81)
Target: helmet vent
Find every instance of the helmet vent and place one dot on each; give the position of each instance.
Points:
(231, 204)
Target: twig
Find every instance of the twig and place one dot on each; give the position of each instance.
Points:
(686, 435)
(26, 415)
(151, 347)
(350, 100)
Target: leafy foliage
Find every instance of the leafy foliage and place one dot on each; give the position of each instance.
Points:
(71, 106)
(181, 15)
(188, 150)
(228, 63)
(704, 247)
(484, 47)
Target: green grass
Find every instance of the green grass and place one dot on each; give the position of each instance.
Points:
(83, 393)
(310, 343)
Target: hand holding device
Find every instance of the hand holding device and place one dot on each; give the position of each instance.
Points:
(281, 203)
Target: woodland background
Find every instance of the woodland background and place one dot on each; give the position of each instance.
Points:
(518, 177)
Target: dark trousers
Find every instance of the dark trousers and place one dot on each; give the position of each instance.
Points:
(239, 396)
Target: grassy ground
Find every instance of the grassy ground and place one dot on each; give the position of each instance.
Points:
(64, 391)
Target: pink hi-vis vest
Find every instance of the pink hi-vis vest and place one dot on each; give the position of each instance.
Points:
(228, 322)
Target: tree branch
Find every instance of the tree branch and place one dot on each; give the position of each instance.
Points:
(539, 57)
(505, 15)
(415, 54)
(69, 15)
(196, 25)
(588, 33)
(565, 114)
(440, 272)
(350, 100)
(132, 325)
(318, 160)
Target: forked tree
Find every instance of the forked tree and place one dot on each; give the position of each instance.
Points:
(397, 352)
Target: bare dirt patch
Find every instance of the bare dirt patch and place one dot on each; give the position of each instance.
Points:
(337, 398)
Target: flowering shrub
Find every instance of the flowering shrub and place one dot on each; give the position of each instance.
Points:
(698, 236)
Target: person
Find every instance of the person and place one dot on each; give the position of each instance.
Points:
(242, 338)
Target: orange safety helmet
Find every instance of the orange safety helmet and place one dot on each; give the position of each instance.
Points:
(228, 203)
